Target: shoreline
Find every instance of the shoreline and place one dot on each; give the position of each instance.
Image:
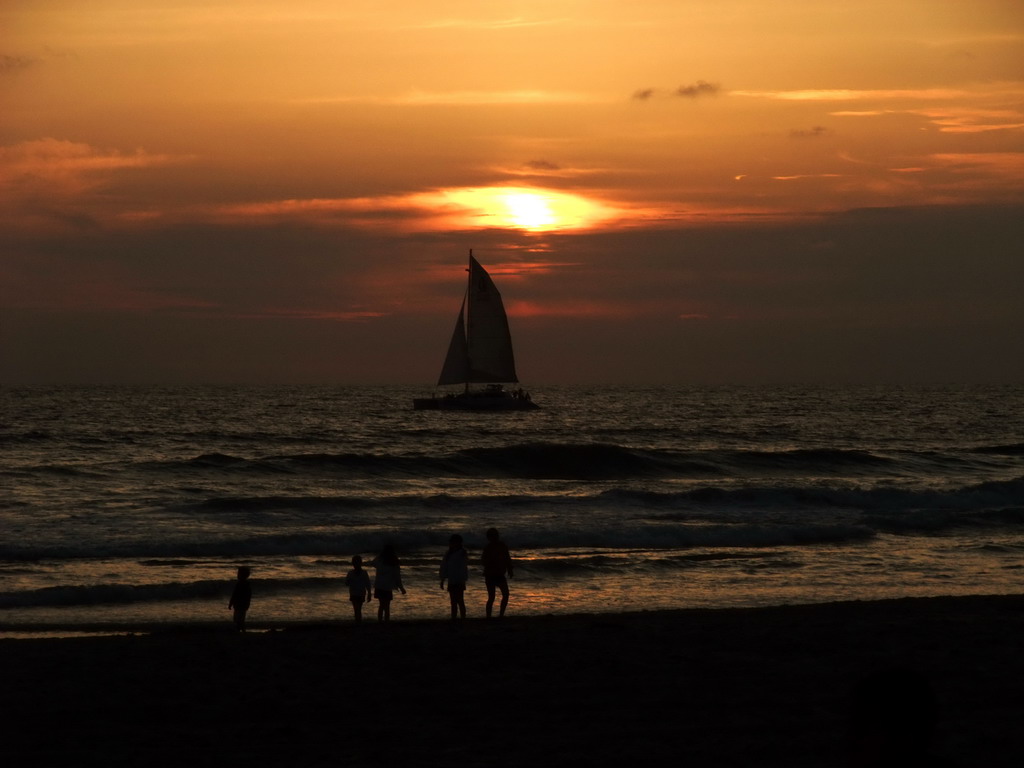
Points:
(58, 631)
(737, 686)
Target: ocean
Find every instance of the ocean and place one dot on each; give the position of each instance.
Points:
(128, 507)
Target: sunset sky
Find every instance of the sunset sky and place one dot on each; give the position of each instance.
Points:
(664, 191)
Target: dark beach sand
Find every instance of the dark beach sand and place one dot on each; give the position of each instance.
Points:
(762, 687)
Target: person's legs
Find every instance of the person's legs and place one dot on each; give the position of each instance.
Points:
(490, 597)
(458, 596)
(504, 597)
(383, 603)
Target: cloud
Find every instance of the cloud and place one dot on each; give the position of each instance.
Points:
(812, 133)
(545, 169)
(541, 165)
(457, 208)
(1000, 164)
(574, 308)
(796, 176)
(492, 97)
(692, 91)
(954, 119)
(12, 65)
(49, 180)
(459, 98)
(65, 163)
(262, 301)
(847, 94)
(700, 88)
(355, 316)
(967, 120)
(512, 22)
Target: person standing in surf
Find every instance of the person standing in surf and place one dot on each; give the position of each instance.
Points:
(455, 569)
(359, 590)
(387, 577)
(497, 562)
(241, 598)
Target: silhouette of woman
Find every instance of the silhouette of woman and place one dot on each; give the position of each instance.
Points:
(455, 568)
(387, 577)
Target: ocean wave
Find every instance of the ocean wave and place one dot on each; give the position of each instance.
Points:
(1011, 449)
(26, 436)
(815, 500)
(614, 462)
(823, 459)
(58, 470)
(123, 594)
(554, 461)
(311, 543)
(572, 564)
(429, 543)
(701, 515)
(246, 504)
(984, 495)
(939, 520)
(235, 463)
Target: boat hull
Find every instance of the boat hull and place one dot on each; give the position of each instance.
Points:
(474, 402)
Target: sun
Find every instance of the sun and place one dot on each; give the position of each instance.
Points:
(528, 210)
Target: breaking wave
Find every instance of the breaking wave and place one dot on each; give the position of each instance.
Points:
(542, 461)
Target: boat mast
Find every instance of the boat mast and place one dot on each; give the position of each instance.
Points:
(469, 309)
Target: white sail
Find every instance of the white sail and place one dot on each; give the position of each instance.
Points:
(480, 351)
(456, 363)
(487, 334)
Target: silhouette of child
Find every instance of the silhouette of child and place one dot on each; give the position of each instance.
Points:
(496, 562)
(241, 597)
(387, 576)
(359, 590)
(455, 568)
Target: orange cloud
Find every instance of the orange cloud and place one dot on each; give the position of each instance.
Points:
(66, 166)
(513, 22)
(532, 209)
(1008, 164)
(808, 176)
(49, 181)
(849, 94)
(967, 120)
(577, 308)
(459, 98)
(309, 314)
(955, 119)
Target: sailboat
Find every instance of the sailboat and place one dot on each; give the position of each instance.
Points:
(480, 352)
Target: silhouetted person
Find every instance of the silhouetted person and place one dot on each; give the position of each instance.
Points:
(359, 590)
(387, 577)
(892, 719)
(497, 562)
(455, 568)
(241, 597)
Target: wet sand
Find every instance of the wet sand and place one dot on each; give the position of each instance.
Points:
(759, 687)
